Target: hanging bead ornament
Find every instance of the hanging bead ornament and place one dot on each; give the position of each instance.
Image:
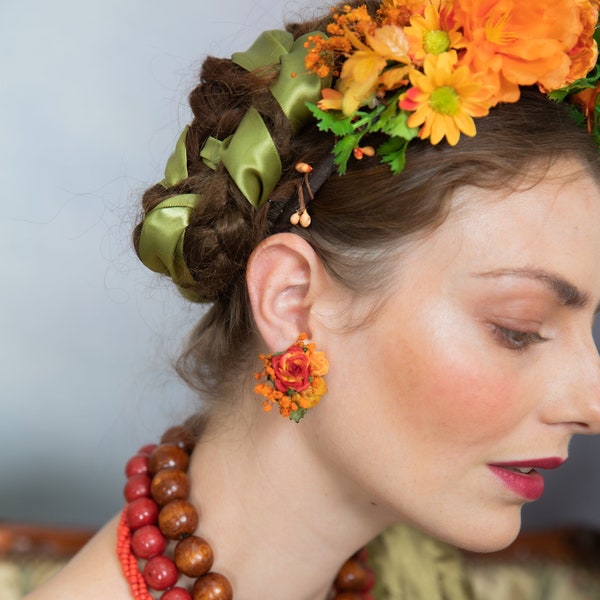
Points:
(159, 514)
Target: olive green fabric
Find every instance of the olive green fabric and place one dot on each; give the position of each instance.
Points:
(412, 566)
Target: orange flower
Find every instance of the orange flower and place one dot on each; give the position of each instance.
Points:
(431, 33)
(330, 99)
(585, 52)
(588, 99)
(444, 99)
(515, 42)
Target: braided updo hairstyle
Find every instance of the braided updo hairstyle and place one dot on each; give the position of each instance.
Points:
(358, 219)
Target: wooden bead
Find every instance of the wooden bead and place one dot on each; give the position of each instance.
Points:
(168, 456)
(193, 556)
(169, 484)
(352, 577)
(181, 436)
(160, 573)
(178, 519)
(212, 586)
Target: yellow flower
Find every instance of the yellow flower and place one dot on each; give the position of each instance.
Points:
(361, 73)
(444, 98)
(432, 33)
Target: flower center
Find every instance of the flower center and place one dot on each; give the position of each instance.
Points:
(444, 100)
(436, 42)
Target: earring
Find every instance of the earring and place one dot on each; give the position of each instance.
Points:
(293, 379)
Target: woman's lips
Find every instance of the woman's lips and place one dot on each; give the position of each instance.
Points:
(521, 476)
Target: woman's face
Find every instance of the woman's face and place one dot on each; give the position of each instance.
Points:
(481, 364)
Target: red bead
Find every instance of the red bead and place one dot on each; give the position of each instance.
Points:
(148, 542)
(137, 465)
(160, 573)
(193, 556)
(137, 486)
(176, 593)
(178, 519)
(169, 484)
(168, 456)
(140, 512)
(147, 449)
(351, 577)
(212, 586)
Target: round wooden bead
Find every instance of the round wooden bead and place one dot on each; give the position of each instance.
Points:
(147, 542)
(176, 593)
(137, 465)
(137, 486)
(169, 484)
(160, 573)
(178, 519)
(193, 556)
(140, 512)
(352, 577)
(168, 456)
(212, 586)
(180, 436)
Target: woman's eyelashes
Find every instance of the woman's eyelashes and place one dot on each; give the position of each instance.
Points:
(514, 339)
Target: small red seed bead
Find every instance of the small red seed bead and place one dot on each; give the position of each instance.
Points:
(137, 465)
(176, 593)
(169, 484)
(140, 512)
(160, 573)
(148, 542)
(193, 556)
(137, 486)
(212, 586)
(168, 456)
(351, 577)
(178, 519)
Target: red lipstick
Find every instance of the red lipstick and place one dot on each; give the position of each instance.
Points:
(521, 477)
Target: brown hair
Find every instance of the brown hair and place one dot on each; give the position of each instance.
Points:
(356, 218)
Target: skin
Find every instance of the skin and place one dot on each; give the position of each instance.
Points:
(475, 356)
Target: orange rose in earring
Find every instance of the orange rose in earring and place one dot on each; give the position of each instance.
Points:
(293, 379)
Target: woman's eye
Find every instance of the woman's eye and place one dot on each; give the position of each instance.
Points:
(517, 340)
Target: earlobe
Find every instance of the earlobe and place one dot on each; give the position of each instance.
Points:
(282, 276)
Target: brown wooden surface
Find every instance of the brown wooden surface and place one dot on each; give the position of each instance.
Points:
(55, 542)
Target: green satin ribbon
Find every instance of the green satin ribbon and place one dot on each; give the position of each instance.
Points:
(250, 155)
(161, 239)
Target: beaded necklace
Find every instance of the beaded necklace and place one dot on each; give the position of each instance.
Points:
(158, 511)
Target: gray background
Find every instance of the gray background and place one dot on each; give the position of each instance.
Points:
(92, 99)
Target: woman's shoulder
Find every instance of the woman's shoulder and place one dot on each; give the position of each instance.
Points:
(94, 570)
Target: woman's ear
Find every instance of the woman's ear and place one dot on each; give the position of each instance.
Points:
(284, 277)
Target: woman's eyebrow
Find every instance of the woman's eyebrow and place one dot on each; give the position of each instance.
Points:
(567, 293)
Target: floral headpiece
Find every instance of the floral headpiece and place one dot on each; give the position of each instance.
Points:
(427, 68)
(415, 69)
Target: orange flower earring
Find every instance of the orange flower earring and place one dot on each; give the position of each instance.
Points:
(293, 379)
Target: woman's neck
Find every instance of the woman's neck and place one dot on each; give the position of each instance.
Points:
(279, 522)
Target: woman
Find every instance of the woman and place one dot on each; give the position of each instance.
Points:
(447, 287)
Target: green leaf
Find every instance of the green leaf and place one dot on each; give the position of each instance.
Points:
(393, 152)
(297, 414)
(591, 81)
(343, 150)
(331, 120)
